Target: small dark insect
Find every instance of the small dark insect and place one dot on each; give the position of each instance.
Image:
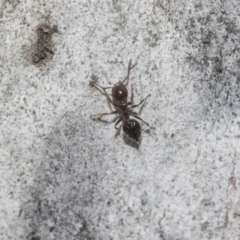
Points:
(119, 100)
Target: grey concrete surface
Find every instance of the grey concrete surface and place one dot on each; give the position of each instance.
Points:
(65, 176)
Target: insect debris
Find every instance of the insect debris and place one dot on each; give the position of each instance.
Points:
(43, 45)
(119, 100)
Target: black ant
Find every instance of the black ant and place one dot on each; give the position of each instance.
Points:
(119, 100)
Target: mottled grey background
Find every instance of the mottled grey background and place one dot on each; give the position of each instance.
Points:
(65, 176)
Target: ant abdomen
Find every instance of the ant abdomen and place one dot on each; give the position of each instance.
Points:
(133, 129)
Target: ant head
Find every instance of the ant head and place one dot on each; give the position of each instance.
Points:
(133, 129)
(120, 93)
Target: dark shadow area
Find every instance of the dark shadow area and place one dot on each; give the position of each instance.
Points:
(65, 197)
(43, 47)
(131, 142)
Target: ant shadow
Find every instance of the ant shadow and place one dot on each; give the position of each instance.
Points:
(131, 142)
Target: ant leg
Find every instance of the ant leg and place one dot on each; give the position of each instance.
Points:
(108, 97)
(132, 96)
(133, 106)
(93, 83)
(141, 120)
(115, 126)
(118, 128)
(130, 67)
(98, 116)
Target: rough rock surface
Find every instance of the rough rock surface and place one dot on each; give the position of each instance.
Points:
(65, 176)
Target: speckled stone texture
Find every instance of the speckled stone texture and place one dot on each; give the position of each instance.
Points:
(65, 176)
